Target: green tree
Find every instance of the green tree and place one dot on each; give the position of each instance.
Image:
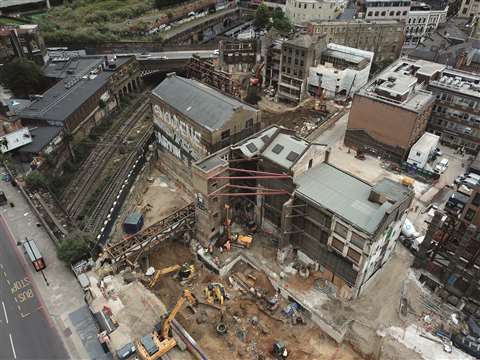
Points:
(35, 180)
(22, 77)
(280, 21)
(74, 247)
(68, 140)
(262, 17)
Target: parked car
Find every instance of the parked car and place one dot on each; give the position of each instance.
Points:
(441, 166)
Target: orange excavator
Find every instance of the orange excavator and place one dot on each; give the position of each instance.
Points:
(162, 341)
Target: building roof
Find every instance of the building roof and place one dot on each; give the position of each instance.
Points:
(16, 139)
(392, 190)
(9, 3)
(426, 142)
(463, 82)
(66, 96)
(206, 106)
(285, 149)
(343, 194)
(63, 64)
(41, 137)
(302, 40)
(398, 84)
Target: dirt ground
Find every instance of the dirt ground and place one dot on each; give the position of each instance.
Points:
(251, 330)
(155, 195)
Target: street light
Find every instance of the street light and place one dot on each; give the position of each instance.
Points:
(37, 262)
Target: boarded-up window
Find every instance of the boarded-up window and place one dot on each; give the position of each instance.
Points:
(341, 230)
(357, 240)
(337, 244)
(354, 255)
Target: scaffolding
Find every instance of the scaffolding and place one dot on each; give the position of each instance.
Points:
(205, 72)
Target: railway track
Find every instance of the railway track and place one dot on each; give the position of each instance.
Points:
(111, 192)
(76, 194)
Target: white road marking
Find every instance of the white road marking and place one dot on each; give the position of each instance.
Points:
(5, 311)
(13, 347)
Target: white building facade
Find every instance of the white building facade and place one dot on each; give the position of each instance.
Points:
(299, 11)
(421, 21)
(342, 71)
(386, 9)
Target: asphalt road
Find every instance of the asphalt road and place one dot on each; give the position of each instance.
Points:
(26, 331)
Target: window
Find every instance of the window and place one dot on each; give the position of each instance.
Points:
(392, 13)
(341, 230)
(384, 13)
(370, 13)
(404, 13)
(337, 244)
(249, 123)
(310, 163)
(357, 240)
(376, 13)
(225, 134)
(354, 255)
(470, 215)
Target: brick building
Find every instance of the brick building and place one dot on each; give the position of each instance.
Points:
(193, 120)
(391, 112)
(18, 39)
(383, 37)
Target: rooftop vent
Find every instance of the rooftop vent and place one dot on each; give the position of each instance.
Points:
(251, 147)
(292, 156)
(265, 138)
(277, 149)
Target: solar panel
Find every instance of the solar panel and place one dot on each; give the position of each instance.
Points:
(292, 156)
(251, 147)
(277, 149)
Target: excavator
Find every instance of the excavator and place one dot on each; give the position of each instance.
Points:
(242, 239)
(185, 271)
(162, 339)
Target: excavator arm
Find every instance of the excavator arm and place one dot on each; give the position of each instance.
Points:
(186, 296)
(161, 272)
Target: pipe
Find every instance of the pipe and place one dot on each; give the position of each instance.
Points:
(192, 345)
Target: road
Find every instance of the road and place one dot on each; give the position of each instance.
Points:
(26, 331)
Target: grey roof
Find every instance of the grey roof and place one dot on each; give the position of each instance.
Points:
(66, 63)
(285, 149)
(41, 136)
(8, 3)
(302, 40)
(62, 100)
(206, 106)
(343, 194)
(392, 190)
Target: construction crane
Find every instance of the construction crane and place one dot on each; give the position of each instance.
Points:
(184, 272)
(163, 341)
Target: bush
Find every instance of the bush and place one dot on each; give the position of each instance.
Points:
(74, 247)
(35, 180)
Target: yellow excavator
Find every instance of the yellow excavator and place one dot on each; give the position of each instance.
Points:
(185, 271)
(242, 239)
(163, 341)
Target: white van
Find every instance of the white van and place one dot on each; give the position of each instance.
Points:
(441, 166)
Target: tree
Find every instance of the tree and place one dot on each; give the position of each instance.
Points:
(280, 21)
(74, 247)
(22, 77)
(35, 180)
(68, 139)
(262, 18)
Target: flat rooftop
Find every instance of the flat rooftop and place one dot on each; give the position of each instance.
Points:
(463, 82)
(66, 63)
(399, 84)
(343, 194)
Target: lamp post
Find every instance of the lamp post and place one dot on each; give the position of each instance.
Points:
(34, 257)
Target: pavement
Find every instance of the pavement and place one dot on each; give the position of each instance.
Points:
(58, 301)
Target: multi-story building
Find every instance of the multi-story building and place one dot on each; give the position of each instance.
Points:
(272, 53)
(300, 11)
(386, 9)
(385, 38)
(423, 19)
(298, 55)
(342, 70)
(391, 112)
(469, 9)
(21, 40)
(193, 120)
(456, 114)
(350, 227)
